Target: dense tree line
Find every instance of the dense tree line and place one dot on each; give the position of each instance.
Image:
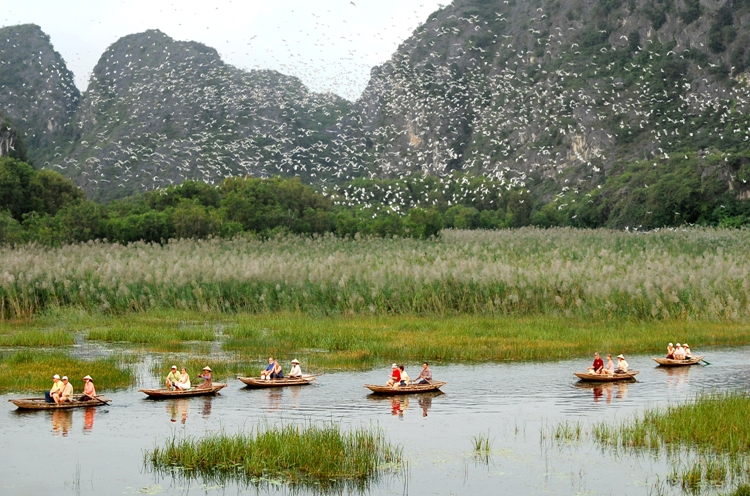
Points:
(44, 207)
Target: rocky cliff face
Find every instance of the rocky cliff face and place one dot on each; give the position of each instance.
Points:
(37, 91)
(158, 112)
(550, 94)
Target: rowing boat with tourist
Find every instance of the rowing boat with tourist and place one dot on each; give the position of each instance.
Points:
(179, 385)
(273, 377)
(60, 396)
(399, 382)
(598, 372)
(679, 356)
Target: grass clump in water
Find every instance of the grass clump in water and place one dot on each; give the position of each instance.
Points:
(707, 440)
(33, 371)
(36, 337)
(316, 455)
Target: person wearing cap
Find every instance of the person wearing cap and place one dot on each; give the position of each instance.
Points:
(89, 392)
(173, 378)
(184, 382)
(622, 365)
(49, 396)
(425, 377)
(296, 371)
(598, 365)
(688, 353)
(206, 376)
(679, 352)
(670, 351)
(395, 379)
(266, 373)
(66, 393)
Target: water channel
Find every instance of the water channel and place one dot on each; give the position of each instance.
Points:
(100, 451)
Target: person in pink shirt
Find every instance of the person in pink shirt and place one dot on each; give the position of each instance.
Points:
(89, 392)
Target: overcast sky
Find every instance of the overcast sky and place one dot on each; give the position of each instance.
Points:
(330, 44)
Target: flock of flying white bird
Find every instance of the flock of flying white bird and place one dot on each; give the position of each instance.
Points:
(158, 112)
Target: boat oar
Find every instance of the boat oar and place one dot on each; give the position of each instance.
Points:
(704, 360)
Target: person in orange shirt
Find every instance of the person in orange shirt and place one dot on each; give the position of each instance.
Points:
(89, 392)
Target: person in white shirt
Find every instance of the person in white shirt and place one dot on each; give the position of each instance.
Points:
(679, 352)
(622, 365)
(296, 371)
(688, 353)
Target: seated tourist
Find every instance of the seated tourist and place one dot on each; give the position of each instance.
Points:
(610, 367)
(296, 372)
(173, 378)
(266, 373)
(670, 351)
(54, 392)
(89, 392)
(404, 376)
(66, 393)
(184, 382)
(679, 352)
(598, 365)
(277, 372)
(425, 377)
(395, 379)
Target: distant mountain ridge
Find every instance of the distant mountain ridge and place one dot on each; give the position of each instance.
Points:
(552, 96)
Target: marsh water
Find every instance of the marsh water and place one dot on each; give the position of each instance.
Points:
(99, 451)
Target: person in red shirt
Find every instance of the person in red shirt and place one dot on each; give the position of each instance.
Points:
(598, 365)
(395, 379)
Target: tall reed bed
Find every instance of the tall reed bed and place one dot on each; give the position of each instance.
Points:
(33, 371)
(696, 273)
(361, 341)
(707, 440)
(315, 455)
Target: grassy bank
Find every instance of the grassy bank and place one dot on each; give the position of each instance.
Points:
(707, 440)
(316, 455)
(33, 371)
(366, 341)
(688, 274)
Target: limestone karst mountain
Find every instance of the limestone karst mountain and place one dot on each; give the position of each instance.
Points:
(551, 96)
(38, 96)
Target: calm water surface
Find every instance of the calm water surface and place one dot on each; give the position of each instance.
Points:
(100, 451)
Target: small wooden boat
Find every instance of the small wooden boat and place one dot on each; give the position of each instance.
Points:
(410, 389)
(588, 376)
(669, 362)
(41, 403)
(258, 383)
(179, 393)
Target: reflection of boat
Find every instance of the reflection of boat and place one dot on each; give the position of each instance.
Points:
(626, 376)
(410, 389)
(179, 393)
(668, 362)
(41, 403)
(257, 383)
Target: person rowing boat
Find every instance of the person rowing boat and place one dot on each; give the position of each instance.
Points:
(207, 380)
(622, 365)
(89, 391)
(425, 377)
(296, 372)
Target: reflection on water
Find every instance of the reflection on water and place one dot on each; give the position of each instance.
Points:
(178, 409)
(206, 410)
(62, 421)
(676, 375)
(88, 419)
(399, 403)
